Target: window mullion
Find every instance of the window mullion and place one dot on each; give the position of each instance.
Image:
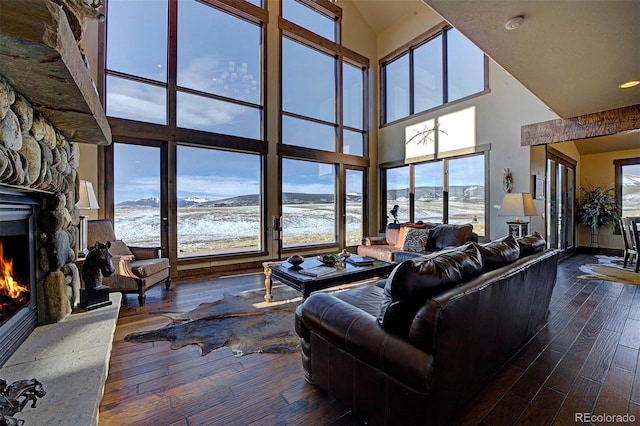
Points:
(172, 45)
(339, 90)
(412, 192)
(445, 69)
(411, 84)
(445, 191)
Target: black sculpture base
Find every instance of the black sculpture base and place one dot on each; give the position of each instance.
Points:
(94, 298)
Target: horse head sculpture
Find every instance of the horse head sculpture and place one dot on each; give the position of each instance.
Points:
(98, 264)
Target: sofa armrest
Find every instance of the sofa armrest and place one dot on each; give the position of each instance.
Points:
(358, 333)
(374, 241)
(145, 252)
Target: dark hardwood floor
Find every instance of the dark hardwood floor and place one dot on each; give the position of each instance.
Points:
(584, 360)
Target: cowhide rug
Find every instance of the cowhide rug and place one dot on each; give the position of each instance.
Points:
(244, 322)
(609, 268)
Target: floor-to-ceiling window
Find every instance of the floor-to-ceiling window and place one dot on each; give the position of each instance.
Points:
(184, 94)
(219, 203)
(323, 129)
(137, 204)
(449, 190)
(187, 85)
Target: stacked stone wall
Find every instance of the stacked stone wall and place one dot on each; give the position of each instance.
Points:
(34, 155)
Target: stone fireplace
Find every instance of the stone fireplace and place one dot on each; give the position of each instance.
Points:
(48, 105)
(38, 219)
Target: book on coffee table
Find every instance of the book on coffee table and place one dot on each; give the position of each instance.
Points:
(360, 260)
(317, 271)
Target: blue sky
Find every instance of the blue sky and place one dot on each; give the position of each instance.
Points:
(213, 58)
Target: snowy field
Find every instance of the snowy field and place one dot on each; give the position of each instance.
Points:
(203, 230)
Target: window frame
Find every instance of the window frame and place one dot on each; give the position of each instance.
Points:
(337, 158)
(618, 164)
(443, 157)
(408, 48)
(168, 136)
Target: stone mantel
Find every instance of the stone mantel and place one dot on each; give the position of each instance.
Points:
(40, 58)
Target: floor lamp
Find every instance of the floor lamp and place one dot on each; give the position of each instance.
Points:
(86, 201)
(518, 204)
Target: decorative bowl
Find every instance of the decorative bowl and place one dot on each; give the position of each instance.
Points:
(328, 259)
(295, 260)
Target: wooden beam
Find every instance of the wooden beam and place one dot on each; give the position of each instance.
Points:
(626, 119)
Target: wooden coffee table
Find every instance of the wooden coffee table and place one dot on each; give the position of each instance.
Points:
(290, 275)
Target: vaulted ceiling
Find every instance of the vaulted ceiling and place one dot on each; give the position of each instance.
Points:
(571, 54)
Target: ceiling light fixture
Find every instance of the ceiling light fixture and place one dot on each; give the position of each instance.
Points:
(514, 23)
(628, 84)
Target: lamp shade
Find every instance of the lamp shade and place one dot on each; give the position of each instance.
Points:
(517, 204)
(87, 199)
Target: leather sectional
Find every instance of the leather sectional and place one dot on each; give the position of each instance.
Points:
(414, 348)
(388, 248)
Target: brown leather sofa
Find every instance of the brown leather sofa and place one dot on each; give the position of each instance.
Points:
(441, 236)
(415, 349)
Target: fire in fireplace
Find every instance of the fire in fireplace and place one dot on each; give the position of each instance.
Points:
(13, 294)
(18, 305)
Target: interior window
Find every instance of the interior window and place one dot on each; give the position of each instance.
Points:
(438, 69)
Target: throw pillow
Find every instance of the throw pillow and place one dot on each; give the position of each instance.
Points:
(415, 240)
(499, 252)
(405, 226)
(531, 244)
(412, 282)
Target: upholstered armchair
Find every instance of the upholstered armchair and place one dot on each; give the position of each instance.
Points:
(137, 268)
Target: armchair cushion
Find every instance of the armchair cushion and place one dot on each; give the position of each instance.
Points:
(147, 267)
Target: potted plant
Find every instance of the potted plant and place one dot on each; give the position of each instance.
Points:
(597, 206)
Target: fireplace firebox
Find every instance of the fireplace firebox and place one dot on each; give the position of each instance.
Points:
(18, 303)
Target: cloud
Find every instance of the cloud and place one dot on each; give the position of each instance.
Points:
(310, 188)
(216, 187)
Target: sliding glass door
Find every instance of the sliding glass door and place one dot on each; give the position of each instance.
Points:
(560, 203)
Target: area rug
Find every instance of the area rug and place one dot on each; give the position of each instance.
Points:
(610, 268)
(243, 322)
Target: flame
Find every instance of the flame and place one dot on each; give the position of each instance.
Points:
(8, 286)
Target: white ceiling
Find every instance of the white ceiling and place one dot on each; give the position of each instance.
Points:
(381, 14)
(571, 54)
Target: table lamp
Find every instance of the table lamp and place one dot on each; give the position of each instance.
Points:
(517, 204)
(87, 201)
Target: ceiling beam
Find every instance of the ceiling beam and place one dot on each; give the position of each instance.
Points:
(605, 123)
